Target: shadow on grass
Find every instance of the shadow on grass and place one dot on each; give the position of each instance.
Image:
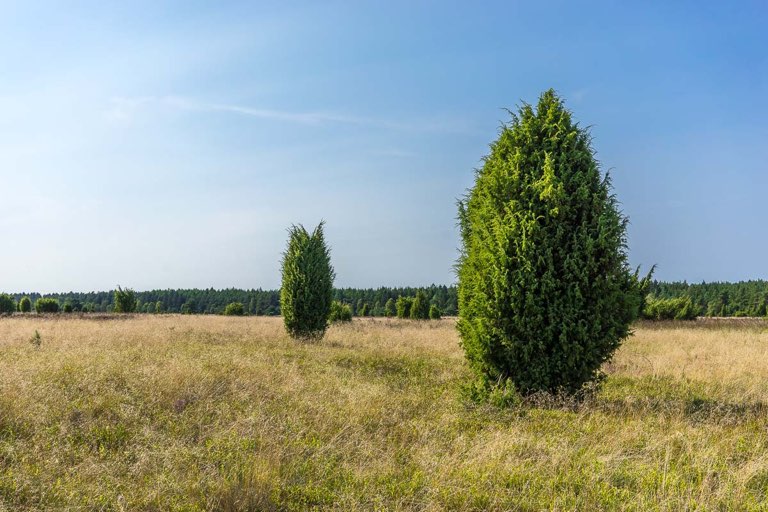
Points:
(664, 397)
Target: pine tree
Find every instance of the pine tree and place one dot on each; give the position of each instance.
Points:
(307, 289)
(545, 292)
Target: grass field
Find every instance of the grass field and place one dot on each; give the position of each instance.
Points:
(221, 413)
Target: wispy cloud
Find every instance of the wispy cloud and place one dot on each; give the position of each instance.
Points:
(125, 108)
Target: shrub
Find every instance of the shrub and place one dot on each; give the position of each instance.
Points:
(7, 304)
(67, 307)
(364, 311)
(186, 309)
(125, 300)
(307, 286)
(340, 312)
(159, 307)
(434, 312)
(25, 305)
(680, 308)
(420, 306)
(403, 307)
(46, 305)
(545, 292)
(234, 309)
(389, 308)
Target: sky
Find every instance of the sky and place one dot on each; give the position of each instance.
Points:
(171, 144)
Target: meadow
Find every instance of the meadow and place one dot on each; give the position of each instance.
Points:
(171, 412)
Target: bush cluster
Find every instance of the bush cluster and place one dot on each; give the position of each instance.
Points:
(680, 308)
(7, 303)
(234, 309)
(340, 312)
(46, 305)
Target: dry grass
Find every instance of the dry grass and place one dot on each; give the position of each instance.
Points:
(220, 413)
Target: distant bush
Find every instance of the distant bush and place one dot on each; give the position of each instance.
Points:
(25, 305)
(403, 307)
(680, 308)
(159, 307)
(434, 312)
(234, 309)
(186, 309)
(389, 308)
(307, 285)
(340, 312)
(7, 304)
(420, 306)
(67, 307)
(364, 311)
(125, 300)
(46, 305)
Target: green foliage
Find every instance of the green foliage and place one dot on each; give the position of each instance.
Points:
(25, 305)
(389, 308)
(234, 309)
(403, 307)
(434, 312)
(420, 306)
(186, 309)
(159, 307)
(340, 312)
(67, 307)
(46, 305)
(545, 292)
(124, 300)
(364, 311)
(7, 304)
(307, 287)
(680, 308)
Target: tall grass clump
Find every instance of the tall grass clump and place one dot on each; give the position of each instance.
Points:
(306, 293)
(545, 291)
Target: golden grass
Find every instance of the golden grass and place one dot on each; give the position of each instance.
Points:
(220, 413)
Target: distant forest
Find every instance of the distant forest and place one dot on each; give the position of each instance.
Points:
(255, 302)
(746, 298)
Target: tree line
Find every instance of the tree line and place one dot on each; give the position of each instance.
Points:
(361, 301)
(716, 299)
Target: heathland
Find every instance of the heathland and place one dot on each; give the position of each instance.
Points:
(171, 412)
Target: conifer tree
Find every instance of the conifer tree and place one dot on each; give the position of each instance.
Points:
(307, 289)
(545, 292)
(389, 308)
(420, 306)
(25, 305)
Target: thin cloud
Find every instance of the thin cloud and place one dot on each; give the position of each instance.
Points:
(123, 109)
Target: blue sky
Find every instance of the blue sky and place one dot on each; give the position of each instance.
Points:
(161, 144)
